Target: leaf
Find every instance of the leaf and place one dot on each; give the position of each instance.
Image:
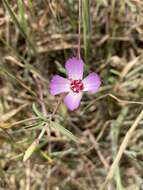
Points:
(5, 125)
(34, 147)
(22, 19)
(34, 125)
(64, 131)
(62, 153)
(37, 112)
(30, 151)
(30, 3)
(102, 3)
(47, 157)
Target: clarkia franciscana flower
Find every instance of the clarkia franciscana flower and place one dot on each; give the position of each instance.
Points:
(74, 85)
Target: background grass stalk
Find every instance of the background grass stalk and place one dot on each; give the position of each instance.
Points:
(121, 150)
(115, 132)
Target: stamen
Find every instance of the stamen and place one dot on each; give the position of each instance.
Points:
(76, 85)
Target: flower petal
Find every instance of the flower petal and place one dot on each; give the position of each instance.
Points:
(92, 82)
(74, 67)
(72, 100)
(59, 85)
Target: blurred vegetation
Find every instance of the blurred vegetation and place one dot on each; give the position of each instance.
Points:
(36, 38)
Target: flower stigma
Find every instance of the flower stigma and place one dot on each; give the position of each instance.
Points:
(76, 85)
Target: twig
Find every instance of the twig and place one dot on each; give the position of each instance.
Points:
(96, 147)
(57, 106)
(9, 135)
(112, 96)
(121, 150)
(125, 101)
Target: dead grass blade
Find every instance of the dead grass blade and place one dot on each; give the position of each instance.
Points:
(121, 150)
(11, 113)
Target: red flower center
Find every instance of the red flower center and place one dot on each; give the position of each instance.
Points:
(76, 85)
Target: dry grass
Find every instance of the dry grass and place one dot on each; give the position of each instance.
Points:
(35, 40)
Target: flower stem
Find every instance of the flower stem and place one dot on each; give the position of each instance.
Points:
(57, 106)
(79, 22)
(47, 126)
(50, 119)
(39, 85)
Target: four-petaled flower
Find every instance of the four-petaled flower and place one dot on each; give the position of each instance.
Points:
(74, 85)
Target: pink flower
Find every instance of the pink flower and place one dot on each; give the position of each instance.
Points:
(74, 85)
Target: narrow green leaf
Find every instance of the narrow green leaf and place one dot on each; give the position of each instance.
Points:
(17, 23)
(37, 112)
(86, 28)
(47, 156)
(29, 151)
(30, 3)
(102, 2)
(5, 125)
(64, 131)
(34, 125)
(22, 19)
(63, 153)
(34, 147)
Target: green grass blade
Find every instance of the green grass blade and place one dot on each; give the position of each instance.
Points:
(22, 19)
(37, 112)
(62, 153)
(30, 4)
(86, 26)
(64, 131)
(19, 26)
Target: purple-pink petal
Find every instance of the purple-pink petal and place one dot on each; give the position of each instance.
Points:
(72, 100)
(74, 68)
(92, 82)
(59, 85)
